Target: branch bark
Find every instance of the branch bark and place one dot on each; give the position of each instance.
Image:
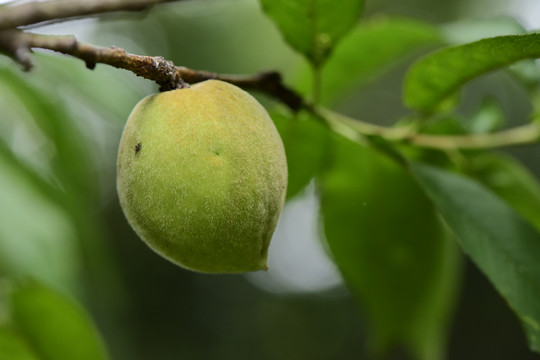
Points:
(36, 12)
(18, 45)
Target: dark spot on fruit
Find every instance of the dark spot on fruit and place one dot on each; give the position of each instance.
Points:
(138, 148)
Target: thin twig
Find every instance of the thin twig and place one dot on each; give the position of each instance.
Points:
(521, 135)
(28, 13)
(18, 45)
(269, 83)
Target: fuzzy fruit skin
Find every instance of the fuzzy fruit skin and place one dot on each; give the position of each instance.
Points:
(202, 177)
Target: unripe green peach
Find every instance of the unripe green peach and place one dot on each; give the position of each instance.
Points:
(202, 177)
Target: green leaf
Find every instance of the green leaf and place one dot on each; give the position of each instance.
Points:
(372, 47)
(391, 248)
(313, 27)
(59, 132)
(469, 30)
(435, 77)
(503, 245)
(306, 141)
(14, 347)
(510, 180)
(112, 102)
(55, 326)
(37, 236)
(70, 162)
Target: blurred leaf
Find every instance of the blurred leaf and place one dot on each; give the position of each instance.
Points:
(488, 118)
(313, 27)
(369, 49)
(510, 180)
(64, 173)
(55, 326)
(44, 179)
(65, 232)
(13, 347)
(70, 161)
(118, 91)
(436, 76)
(306, 141)
(36, 235)
(391, 247)
(503, 245)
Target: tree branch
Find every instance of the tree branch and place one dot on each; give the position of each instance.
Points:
(35, 12)
(19, 45)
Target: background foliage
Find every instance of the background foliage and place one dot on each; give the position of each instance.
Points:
(400, 224)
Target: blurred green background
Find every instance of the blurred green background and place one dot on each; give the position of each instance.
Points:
(60, 219)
